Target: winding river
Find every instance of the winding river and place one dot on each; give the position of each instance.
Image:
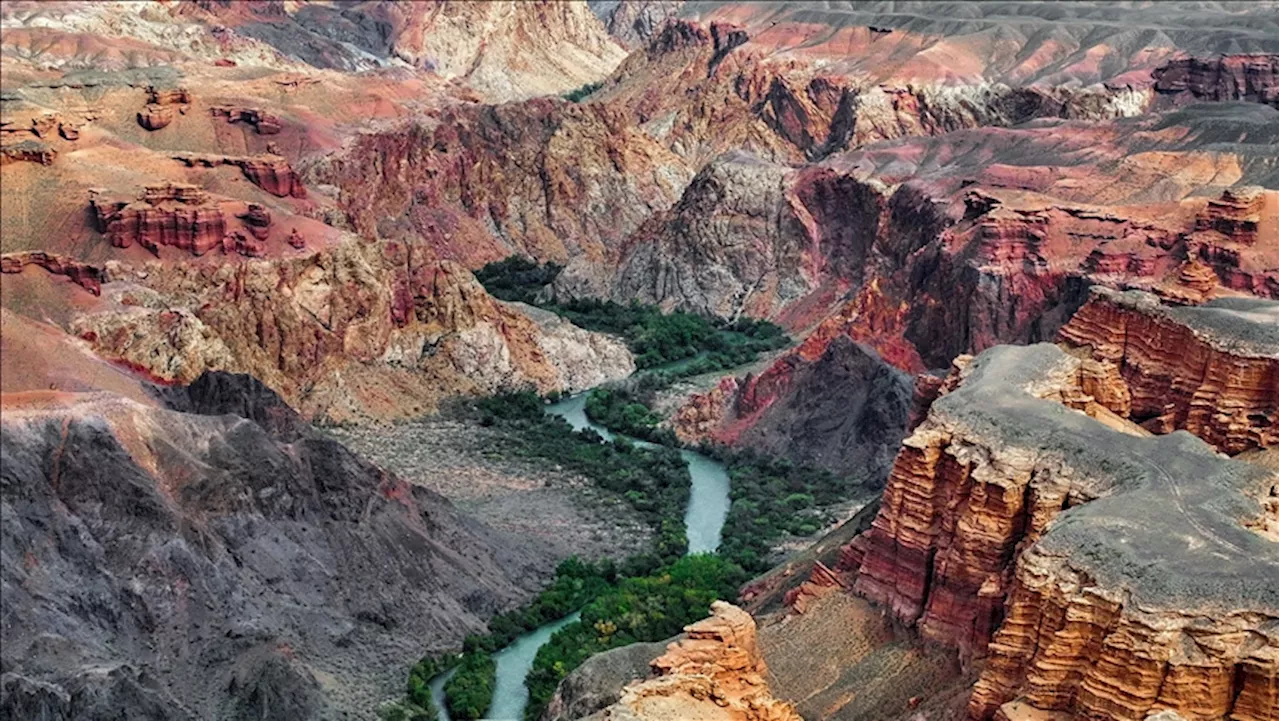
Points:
(703, 520)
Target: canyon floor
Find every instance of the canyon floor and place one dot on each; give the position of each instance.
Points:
(526, 499)
(1028, 254)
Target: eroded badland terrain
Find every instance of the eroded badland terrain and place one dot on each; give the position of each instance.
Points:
(1027, 254)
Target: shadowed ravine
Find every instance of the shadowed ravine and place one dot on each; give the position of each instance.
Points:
(703, 520)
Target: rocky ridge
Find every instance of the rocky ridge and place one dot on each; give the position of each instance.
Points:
(336, 330)
(236, 562)
(1013, 519)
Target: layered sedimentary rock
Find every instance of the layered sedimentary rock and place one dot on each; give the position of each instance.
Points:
(844, 411)
(270, 172)
(549, 179)
(714, 671)
(214, 557)
(1113, 573)
(1208, 369)
(87, 276)
(172, 214)
(348, 332)
(1225, 77)
(29, 151)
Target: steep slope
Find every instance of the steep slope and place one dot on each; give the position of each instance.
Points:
(1184, 367)
(218, 558)
(1024, 514)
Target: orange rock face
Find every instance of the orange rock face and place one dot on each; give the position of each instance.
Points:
(1180, 369)
(1025, 522)
(715, 671)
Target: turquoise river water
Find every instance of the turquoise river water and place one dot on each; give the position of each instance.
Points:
(703, 521)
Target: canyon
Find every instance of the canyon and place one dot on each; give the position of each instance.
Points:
(1027, 253)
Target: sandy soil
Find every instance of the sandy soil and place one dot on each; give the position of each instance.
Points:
(466, 463)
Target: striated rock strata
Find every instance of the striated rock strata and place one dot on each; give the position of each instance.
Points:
(270, 172)
(1113, 574)
(714, 672)
(1225, 77)
(1208, 369)
(173, 214)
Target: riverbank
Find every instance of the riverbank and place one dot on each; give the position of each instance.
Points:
(472, 465)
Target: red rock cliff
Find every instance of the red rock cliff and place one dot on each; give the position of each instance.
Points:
(1013, 519)
(1171, 367)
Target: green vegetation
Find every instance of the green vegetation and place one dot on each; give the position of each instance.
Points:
(405, 710)
(771, 497)
(618, 410)
(654, 481)
(470, 689)
(655, 338)
(517, 278)
(647, 608)
(577, 95)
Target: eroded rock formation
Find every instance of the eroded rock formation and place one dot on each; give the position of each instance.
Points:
(714, 671)
(1023, 513)
(172, 214)
(1225, 77)
(333, 330)
(272, 173)
(29, 151)
(264, 123)
(86, 276)
(1208, 369)
(240, 556)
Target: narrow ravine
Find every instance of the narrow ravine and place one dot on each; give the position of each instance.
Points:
(703, 520)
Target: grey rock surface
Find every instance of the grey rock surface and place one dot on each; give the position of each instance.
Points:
(225, 561)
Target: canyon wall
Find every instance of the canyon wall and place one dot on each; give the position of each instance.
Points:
(1026, 522)
(1171, 367)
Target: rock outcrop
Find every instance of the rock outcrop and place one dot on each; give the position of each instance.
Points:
(264, 123)
(715, 671)
(28, 151)
(163, 104)
(89, 277)
(1208, 369)
(219, 559)
(1225, 77)
(348, 332)
(1113, 573)
(172, 214)
(272, 173)
(844, 411)
(482, 183)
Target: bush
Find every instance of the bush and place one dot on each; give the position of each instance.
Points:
(578, 94)
(517, 278)
(469, 691)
